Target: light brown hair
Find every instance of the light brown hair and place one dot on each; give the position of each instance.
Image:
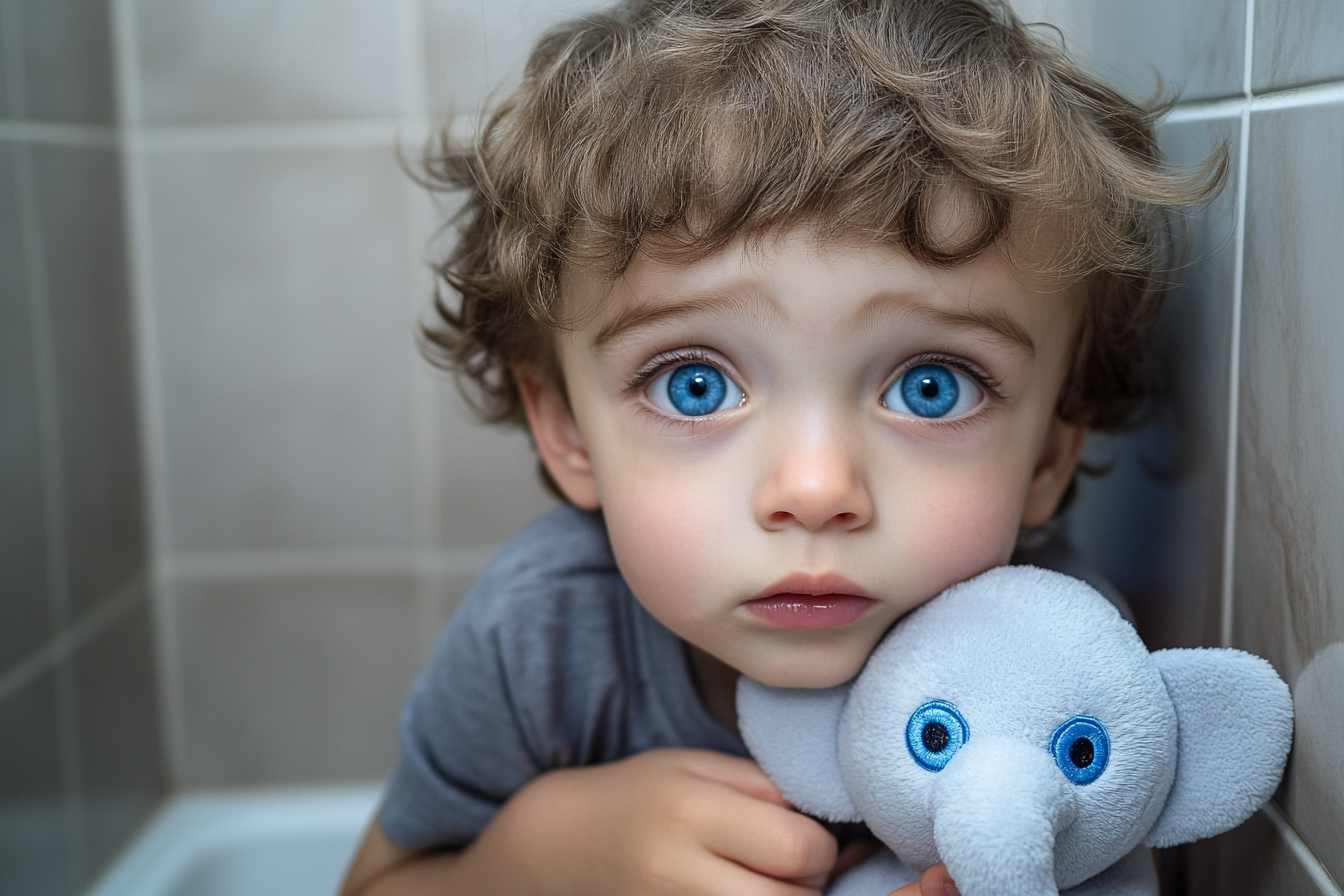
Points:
(677, 125)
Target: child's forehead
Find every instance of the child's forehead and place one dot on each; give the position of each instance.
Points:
(846, 281)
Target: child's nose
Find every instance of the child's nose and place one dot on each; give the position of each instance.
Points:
(815, 483)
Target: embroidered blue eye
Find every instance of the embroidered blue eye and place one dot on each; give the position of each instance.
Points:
(1081, 748)
(694, 390)
(934, 733)
(931, 391)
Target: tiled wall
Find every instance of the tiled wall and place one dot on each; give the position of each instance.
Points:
(1248, 354)
(320, 497)
(80, 761)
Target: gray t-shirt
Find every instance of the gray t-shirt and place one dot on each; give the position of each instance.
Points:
(550, 663)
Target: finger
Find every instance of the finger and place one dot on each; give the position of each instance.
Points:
(767, 838)
(937, 882)
(730, 879)
(743, 775)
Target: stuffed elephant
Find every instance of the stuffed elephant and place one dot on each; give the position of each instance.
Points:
(1017, 729)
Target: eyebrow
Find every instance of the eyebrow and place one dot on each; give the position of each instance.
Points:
(995, 323)
(647, 314)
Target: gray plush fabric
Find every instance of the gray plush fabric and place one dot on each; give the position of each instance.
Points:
(1020, 654)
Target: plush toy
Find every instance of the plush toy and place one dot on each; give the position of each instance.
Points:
(1017, 729)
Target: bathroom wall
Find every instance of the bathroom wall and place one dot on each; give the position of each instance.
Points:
(1223, 516)
(320, 497)
(80, 764)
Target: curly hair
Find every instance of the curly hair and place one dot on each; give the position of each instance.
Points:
(675, 126)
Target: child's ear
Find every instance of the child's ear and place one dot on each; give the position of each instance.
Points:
(558, 440)
(1054, 470)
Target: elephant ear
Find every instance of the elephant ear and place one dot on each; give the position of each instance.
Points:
(1234, 727)
(794, 734)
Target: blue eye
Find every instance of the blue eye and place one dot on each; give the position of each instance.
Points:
(932, 390)
(934, 733)
(694, 390)
(1081, 748)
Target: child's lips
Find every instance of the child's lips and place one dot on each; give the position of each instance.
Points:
(811, 601)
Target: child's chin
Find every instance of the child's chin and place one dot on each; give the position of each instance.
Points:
(812, 672)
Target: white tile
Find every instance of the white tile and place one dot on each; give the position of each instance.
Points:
(1192, 46)
(1154, 523)
(454, 47)
(472, 48)
(250, 60)
(296, 679)
(1297, 42)
(1290, 503)
(287, 345)
(512, 28)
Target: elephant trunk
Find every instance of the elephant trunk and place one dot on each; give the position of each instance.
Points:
(997, 809)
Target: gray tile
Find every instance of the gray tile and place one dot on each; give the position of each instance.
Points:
(1290, 501)
(296, 679)
(301, 59)
(1154, 523)
(1297, 42)
(79, 200)
(23, 557)
(7, 109)
(488, 478)
(513, 26)
(288, 347)
(1191, 46)
(454, 49)
(68, 60)
(121, 763)
(1252, 860)
(471, 47)
(33, 850)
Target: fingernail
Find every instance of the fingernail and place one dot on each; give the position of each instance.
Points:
(951, 889)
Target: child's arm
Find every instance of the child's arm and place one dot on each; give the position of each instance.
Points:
(667, 821)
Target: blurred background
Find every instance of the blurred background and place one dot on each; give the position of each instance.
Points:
(236, 505)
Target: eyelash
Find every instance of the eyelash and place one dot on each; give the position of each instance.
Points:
(644, 375)
(983, 378)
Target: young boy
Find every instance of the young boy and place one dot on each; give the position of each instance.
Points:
(808, 306)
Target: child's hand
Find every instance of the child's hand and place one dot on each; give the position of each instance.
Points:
(934, 882)
(666, 822)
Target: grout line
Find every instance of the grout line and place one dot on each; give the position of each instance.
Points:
(1248, 51)
(330, 562)
(1315, 95)
(371, 132)
(1311, 863)
(1227, 606)
(58, 133)
(149, 384)
(96, 619)
(1205, 110)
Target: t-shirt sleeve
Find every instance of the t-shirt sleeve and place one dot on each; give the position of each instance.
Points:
(465, 746)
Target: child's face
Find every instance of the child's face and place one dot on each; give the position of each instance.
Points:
(797, 444)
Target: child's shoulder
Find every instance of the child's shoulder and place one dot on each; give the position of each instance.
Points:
(558, 565)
